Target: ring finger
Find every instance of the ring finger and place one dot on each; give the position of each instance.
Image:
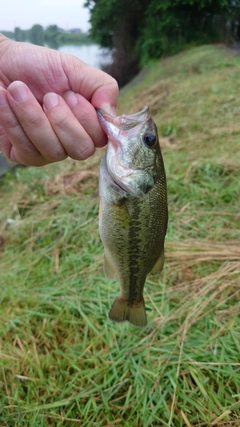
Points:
(33, 139)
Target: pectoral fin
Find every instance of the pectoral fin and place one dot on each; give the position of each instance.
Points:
(108, 268)
(157, 268)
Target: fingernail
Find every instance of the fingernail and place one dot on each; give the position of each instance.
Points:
(71, 98)
(3, 96)
(50, 100)
(109, 109)
(113, 111)
(18, 91)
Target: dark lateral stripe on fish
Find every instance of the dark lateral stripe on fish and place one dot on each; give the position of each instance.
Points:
(135, 234)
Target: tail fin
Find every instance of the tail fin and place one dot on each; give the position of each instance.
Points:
(121, 311)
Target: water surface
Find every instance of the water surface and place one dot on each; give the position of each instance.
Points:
(92, 54)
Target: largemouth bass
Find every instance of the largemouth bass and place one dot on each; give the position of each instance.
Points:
(133, 209)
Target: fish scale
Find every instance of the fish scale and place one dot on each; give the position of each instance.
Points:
(133, 218)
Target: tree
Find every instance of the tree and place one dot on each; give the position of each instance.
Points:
(172, 24)
(36, 35)
(117, 24)
(146, 29)
(53, 36)
(9, 34)
(19, 35)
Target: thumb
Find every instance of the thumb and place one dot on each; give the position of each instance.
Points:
(95, 85)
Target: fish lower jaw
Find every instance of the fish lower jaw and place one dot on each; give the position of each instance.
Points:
(128, 189)
(122, 188)
(133, 184)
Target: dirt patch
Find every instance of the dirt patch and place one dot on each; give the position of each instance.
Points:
(75, 182)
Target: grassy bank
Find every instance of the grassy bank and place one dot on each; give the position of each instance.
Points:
(62, 362)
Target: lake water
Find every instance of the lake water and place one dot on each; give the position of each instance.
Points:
(91, 54)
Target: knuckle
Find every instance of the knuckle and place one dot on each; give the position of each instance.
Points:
(2, 134)
(32, 119)
(62, 121)
(85, 152)
(9, 122)
(30, 116)
(112, 84)
(58, 119)
(56, 156)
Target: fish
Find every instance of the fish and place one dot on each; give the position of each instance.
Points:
(133, 211)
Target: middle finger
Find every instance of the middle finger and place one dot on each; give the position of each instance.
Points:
(74, 138)
(39, 134)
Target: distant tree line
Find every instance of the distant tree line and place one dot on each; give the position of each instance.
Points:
(139, 31)
(52, 35)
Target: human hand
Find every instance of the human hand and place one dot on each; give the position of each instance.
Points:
(47, 104)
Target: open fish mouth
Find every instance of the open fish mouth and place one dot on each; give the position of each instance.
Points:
(124, 132)
(124, 122)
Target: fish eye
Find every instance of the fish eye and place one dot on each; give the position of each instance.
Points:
(150, 139)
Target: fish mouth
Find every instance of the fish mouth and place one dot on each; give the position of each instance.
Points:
(124, 122)
(129, 180)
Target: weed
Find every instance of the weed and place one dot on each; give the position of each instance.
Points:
(62, 362)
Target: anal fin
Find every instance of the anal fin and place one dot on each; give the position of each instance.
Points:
(108, 268)
(157, 268)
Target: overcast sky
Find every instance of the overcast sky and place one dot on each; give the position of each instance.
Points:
(25, 13)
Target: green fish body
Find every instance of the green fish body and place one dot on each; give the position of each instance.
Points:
(133, 209)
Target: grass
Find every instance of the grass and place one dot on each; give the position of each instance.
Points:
(62, 362)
